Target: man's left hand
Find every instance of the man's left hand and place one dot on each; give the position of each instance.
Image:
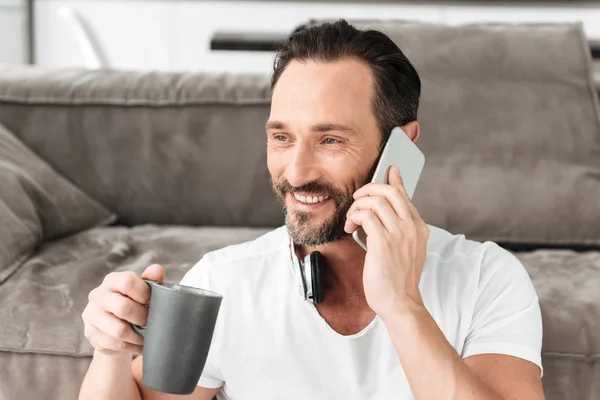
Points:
(397, 240)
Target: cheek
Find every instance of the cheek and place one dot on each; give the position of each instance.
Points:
(275, 163)
(356, 175)
(345, 175)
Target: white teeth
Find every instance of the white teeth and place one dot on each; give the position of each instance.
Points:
(310, 199)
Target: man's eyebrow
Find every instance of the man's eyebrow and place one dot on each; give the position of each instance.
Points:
(331, 127)
(325, 127)
(275, 125)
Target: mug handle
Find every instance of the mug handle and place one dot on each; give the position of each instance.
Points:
(136, 328)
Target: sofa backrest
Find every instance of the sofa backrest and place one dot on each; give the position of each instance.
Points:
(510, 127)
(509, 117)
(164, 148)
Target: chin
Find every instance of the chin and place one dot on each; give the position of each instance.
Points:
(309, 230)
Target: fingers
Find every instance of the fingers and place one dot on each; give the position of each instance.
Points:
(154, 273)
(395, 179)
(120, 300)
(392, 194)
(103, 342)
(112, 327)
(395, 193)
(128, 284)
(368, 220)
(380, 206)
(126, 309)
(375, 196)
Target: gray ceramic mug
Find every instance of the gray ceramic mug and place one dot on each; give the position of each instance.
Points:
(177, 336)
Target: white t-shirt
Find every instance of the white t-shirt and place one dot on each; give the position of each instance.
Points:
(270, 343)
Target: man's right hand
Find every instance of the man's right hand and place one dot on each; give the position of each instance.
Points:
(121, 299)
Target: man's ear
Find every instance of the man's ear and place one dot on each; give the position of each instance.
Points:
(412, 129)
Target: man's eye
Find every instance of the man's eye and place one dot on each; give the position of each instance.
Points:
(280, 138)
(331, 141)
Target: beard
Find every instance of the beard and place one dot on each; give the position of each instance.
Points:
(301, 225)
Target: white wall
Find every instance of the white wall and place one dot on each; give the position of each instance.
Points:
(13, 30)
(175, 34)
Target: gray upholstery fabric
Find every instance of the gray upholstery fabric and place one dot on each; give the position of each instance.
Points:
(41, 305)
(37, 204)
(510, 130)
(154, 148)
(567, 285)
(571, 378)
(55, 377)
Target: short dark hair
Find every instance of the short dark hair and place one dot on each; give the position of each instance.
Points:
(397, 86)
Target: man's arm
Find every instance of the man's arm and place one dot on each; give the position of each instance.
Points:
(435, 371)
(116, 304)
(511, 377)
(116, 377)
(506, 318)
(109, 377)
(200, 393)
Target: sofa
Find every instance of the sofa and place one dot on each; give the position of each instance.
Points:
(110, 170)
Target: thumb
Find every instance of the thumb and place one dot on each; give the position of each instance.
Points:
(154, 273)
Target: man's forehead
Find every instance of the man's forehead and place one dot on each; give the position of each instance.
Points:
(337, 93)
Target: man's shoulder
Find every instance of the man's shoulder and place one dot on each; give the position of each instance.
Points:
(457, 255)
(444, 245)
(263, 246)
(238, 262)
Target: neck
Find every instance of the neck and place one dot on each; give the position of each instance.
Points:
(344, 261)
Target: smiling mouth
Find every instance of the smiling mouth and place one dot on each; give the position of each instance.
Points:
(307, 199)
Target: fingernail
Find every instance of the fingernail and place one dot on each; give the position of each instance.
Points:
(396, 170)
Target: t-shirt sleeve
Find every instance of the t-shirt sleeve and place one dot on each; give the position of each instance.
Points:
(198, 276)
(506, 315)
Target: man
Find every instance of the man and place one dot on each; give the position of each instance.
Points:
(422, 314)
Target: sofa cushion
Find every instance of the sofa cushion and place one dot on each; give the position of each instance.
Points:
(567, 286)
(510, 130)
(164, 148)
(37, 204)
(41, 308)
(566, 282)
(42, 376)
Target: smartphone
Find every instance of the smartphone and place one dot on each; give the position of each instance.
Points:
(402, 152)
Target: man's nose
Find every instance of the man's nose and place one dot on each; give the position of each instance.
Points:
(302, 168)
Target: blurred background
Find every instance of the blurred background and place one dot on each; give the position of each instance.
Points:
(224, 36)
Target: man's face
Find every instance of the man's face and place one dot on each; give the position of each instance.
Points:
(322, 144)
